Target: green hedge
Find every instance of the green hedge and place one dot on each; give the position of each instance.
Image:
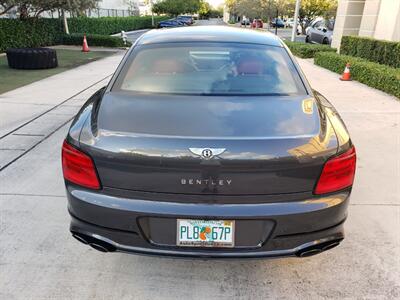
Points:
(15, 33)
(307, 50)
(383, 52)
(29, 33)
(375, 75)
(94, 40)
(110, 25)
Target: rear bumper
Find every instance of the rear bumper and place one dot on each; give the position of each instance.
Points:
(287, 228)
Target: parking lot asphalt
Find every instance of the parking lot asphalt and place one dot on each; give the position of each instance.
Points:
(40, 260)
(286, 34)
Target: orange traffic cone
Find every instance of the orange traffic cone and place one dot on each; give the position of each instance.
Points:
(85, 47)
(346, 74)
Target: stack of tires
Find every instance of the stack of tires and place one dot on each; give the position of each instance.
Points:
(32, 58)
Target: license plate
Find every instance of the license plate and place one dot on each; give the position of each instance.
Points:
(205, 233)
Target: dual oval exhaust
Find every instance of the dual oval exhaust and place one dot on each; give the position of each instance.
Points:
(318, 248)
(95, 243)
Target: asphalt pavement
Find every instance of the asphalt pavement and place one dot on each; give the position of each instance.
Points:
(40, 260)
(286, 34)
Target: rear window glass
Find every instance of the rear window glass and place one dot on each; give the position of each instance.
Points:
(217, 69)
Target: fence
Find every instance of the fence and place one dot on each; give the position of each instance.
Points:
(91, 13)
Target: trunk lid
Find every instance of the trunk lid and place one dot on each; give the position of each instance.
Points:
(267, 145)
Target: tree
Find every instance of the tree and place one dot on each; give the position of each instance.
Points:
(6, 6)
(248, 8)
(311, 9)
(205, 10)
(176, 7)
(271, 8)
(259, 8)
(217, 12)
(33, 8)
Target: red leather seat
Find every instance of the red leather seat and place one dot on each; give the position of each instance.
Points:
(249, 67)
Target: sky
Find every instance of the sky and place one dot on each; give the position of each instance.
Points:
(215, 3)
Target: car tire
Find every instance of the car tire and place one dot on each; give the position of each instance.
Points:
(325, 41)
(307, 39)
(32, 58)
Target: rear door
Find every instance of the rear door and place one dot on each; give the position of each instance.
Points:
(315, 32)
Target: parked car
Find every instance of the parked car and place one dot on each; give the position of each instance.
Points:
(170, 23)
(299, 29)
(245, 22)
(289, 23)
(320, 31)
(277, 23)
(257, 23)
(208, 142)
(188, 20)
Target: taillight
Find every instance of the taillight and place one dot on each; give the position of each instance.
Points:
(338, 173)
(78, 167)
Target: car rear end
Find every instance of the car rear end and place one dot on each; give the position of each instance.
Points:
(188, 20)
(208, 150)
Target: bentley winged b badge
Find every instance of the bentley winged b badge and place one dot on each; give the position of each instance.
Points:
(207, 153)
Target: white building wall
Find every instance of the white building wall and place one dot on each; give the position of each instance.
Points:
(348, 20)
(113, 4)
(369, 18)
(379, 19)
(388, 23)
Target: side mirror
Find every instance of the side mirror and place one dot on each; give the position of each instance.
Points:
(324, 30)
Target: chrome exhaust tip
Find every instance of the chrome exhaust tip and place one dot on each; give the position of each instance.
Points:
(98, 247)
(93, 242)
(310, 252)
(331, 245)
(318, 248)
(79, 238)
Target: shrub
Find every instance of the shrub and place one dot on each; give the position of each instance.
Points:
(110, 25)
(383, 52)
(94, 40)
(15, 33)
(375, 75)
(29, 33)
(307, 50)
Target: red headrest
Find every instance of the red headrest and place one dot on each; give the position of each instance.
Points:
(250, 66)
(167, 66)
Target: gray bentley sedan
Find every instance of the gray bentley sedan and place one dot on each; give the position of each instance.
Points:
(208, 142)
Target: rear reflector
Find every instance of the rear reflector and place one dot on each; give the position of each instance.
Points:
(78, 167)
(338, 173)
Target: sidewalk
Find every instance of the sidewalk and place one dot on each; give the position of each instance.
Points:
(31, 113)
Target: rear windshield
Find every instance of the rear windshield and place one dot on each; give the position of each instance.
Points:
(210, 69)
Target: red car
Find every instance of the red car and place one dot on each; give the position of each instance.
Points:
(257, 23)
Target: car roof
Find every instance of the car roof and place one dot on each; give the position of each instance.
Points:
(209, 34)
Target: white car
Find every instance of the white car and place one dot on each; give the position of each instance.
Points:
(289, 23)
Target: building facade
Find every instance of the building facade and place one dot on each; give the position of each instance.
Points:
(379, 19)
(105, 8)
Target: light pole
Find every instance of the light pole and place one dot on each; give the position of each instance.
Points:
(66, 29)
(296, 15)
(152, 14)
